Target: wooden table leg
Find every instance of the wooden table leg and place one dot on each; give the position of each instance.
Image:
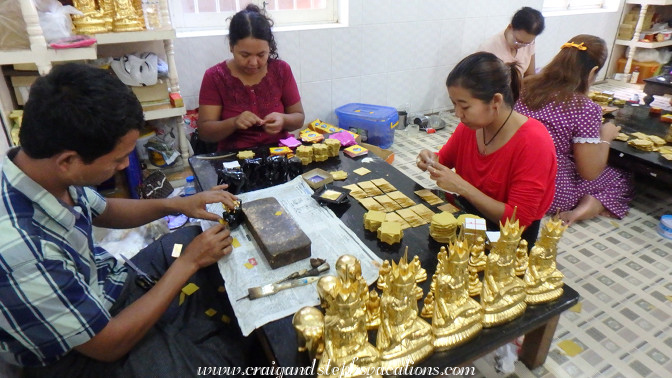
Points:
(537, 343)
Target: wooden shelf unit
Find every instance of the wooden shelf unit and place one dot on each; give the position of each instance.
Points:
(43, 57)
(620, 45)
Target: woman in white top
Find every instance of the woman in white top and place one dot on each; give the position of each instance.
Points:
(516, 43)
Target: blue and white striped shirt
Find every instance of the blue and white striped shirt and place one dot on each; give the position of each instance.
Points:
(56, 285)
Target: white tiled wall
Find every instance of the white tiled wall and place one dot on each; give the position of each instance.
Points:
(394, 52)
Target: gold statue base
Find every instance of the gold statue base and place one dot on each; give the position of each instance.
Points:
(401, 356)
(532, 298)
(351, 370)
(88, 25)
(126, 25)
(497, 318)
(444, 340)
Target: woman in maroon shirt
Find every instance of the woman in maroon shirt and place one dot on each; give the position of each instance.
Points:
(252, 99)
(503, 160)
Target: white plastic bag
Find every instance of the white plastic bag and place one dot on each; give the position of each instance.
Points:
(55, 19)
(652, 55)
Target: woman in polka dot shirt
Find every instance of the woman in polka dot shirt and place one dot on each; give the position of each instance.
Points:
(585, 185)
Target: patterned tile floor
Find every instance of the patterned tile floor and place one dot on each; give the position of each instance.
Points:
(621, 268)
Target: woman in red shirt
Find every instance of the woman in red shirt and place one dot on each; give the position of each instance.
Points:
(503, 160)
(252, 99)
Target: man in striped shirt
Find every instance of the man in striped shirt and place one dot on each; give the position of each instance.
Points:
(66, 305)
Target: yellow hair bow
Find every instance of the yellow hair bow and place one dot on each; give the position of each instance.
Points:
(579, 46)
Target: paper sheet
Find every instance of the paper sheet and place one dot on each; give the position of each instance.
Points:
(247, 267)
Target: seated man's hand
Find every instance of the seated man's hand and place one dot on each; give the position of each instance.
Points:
(195, 206)
(246, 120)
(274, 123)
(208, 247)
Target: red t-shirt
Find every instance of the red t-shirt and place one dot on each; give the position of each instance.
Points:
(276, 91)
(521, 173)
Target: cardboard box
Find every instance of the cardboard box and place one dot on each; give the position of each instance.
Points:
(382, 153)
(646, 69)
(151, 93)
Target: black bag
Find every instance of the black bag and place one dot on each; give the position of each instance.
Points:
(200, 147)
(156, 185)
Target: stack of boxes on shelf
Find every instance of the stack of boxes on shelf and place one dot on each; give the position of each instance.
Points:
(627, 28)
(641, 70)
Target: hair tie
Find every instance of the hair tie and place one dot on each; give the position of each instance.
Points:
(579, 46)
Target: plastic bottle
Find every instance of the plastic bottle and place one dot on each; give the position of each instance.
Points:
(190, 186)
(635, 76)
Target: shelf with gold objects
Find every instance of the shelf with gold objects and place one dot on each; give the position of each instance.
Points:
(134, 36)
(52, 55)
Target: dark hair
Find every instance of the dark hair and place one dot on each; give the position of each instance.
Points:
(528, 19)
(567, 74)
(483, 75)
(79, 108)
(252, 22)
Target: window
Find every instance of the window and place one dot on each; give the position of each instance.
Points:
(579, 6)
(203, 14)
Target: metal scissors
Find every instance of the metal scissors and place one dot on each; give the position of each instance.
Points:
(142, 279)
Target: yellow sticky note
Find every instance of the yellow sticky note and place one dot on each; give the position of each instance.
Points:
(221, 289)
(177, 250)
(182, 297)
(190, 288)
(248, 265)
(669, 297)
(277, 213)
(235, 243)
(570, 348)
(226, 319)
(361, 171)
(210, 312)
(576, 308)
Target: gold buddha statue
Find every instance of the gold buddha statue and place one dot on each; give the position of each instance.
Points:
(428, 306)
(503, 294)
(457, 317)
(309, 325)
(403, 337)
(475, 284)
(107, 7)
(521, 258)
(373, 310)
(383, 272)
(543, 280)
(126, 17)
(441, 256)
(477, 258)
(477, 261)
(421, 276)
(345, 338)
(91, 21)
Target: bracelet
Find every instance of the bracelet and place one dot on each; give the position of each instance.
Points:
(605, 141)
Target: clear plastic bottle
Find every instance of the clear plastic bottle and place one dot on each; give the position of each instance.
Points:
(635, 75)
(190, 186)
